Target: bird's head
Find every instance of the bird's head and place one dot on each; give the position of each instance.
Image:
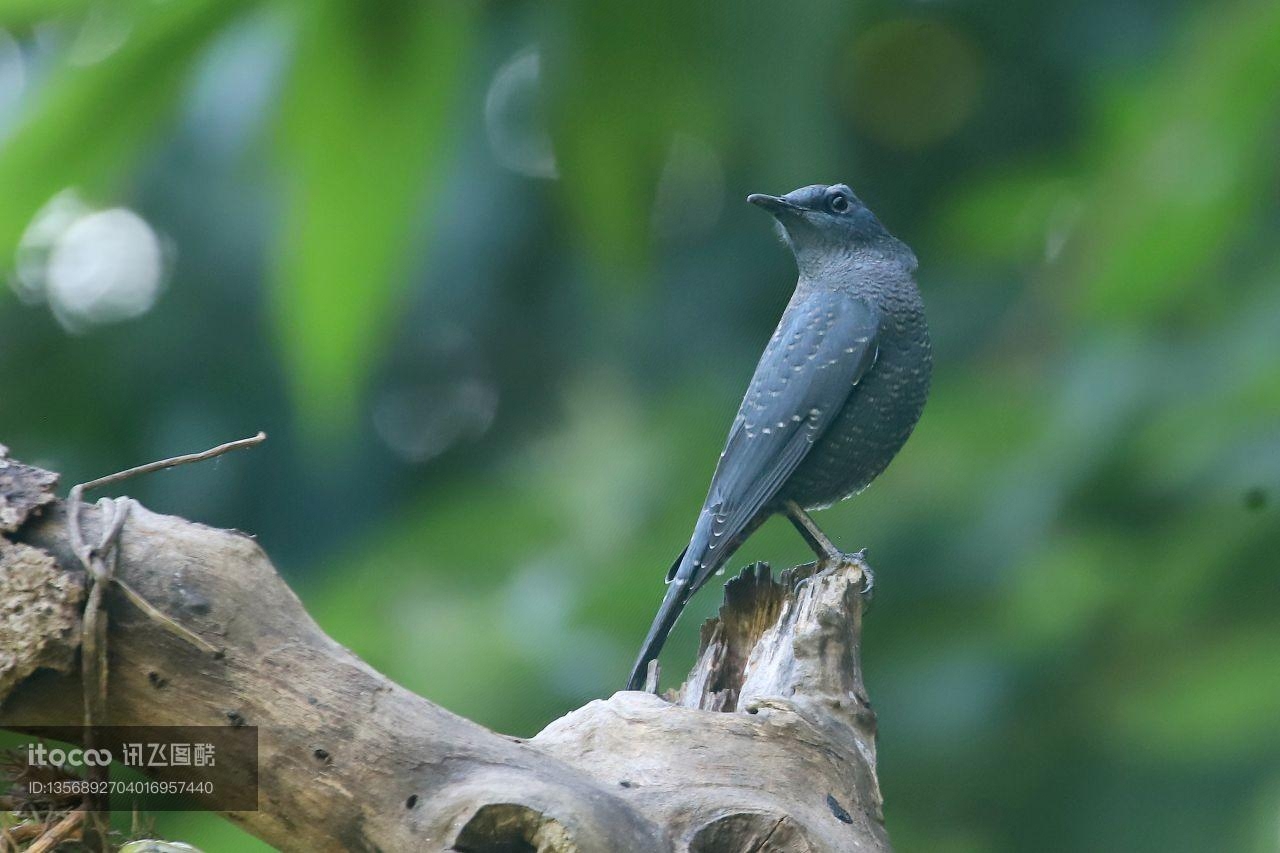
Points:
(823, 218)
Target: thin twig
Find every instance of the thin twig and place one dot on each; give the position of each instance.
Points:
(86, 554)
(21, 833)
(100, 564)
(93, 654)
(60, 832)
(78, 490)
(173, 462)
(164, 621)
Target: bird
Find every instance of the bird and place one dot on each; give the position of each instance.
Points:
(837, 392)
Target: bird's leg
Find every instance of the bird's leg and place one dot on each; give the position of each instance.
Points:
(828, 554)
(817, 540)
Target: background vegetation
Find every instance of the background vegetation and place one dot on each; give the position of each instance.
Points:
(484, 273)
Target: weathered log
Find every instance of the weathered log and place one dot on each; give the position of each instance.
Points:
(348, 760)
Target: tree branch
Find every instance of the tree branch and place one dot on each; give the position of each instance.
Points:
(350, 761)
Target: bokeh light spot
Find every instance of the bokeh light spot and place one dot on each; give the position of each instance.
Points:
(913, 82)
(418, 423)
(91, 267)
(103, 30)
(31, 261)
(106, 267)
(515, 118)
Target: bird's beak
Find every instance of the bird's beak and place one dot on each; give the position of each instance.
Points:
(772, 203)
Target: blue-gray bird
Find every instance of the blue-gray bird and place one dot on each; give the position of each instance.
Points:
(837, 392)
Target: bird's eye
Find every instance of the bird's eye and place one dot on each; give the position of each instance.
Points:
(838, 203)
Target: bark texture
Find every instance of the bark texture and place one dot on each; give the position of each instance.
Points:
(768, 746)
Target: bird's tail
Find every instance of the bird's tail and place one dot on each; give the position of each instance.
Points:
(689, 572)
(678, 592)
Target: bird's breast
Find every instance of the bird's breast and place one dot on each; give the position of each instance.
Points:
(874, 422)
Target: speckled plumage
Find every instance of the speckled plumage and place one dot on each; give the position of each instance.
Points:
(879, 415)
(835, 395)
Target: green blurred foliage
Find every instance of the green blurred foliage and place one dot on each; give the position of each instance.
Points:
(358, 75)
(89, 123)
(483, 273)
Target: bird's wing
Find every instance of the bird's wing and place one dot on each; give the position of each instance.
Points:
(823, 346)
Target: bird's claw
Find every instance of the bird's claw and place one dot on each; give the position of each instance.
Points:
(838, 559)
(859, 558)
(868, 582)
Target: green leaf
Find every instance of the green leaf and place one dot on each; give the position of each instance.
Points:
(21, 12)
(91, 121)
(1186, 160)
(624, 78)
(366, 119)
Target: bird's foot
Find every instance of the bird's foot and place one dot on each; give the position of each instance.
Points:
(839, 559)
(868, 582)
